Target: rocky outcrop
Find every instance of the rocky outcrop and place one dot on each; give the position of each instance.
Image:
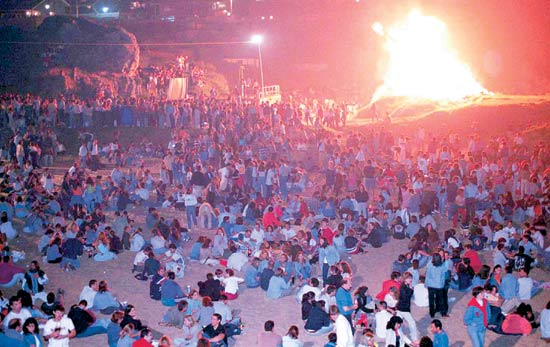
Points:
(66, 54)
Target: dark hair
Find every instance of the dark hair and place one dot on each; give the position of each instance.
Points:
(476, 291)
(314, 282)
(332, 337)
(58, 307)
(144, 332)
(436, 259)
(425, 341)
(293, 332)
(437, 324)
(28, 322)
(269, 325)
(393, 322)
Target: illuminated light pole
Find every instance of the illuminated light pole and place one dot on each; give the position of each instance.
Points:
(258, 39)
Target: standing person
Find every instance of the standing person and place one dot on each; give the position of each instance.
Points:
(328, 256)
(440, 336)
(394, 334)
(344, 300)
(404, 304)
(190, 201)
(476, 317)
(59, 329)
(342, 327)
(436, 273)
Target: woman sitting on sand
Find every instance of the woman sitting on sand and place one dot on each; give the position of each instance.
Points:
(104, 301)
(102, 247)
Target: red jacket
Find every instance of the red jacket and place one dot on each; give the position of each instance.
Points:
(270, 219)
(142, 343)
(386, 285)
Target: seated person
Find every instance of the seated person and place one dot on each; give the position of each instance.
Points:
(10, 274)
(318, 322)
(170, 291)
(215, 332)
(211, 287)
(174, 316)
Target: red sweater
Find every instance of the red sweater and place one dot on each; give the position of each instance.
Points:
(475, 262)
(7, 271)
(516, 324)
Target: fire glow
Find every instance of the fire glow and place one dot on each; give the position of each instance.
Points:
(422, 63)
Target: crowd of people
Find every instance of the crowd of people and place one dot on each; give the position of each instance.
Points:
(275, 202)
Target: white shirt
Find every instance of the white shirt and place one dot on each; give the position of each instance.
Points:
(232, 284)
(382, 318)
(190, 200)
(290, 342)
(140, 257)
(236, 261)
(420, 295)
(288, 233)
(87, 294)
(307, 288)
(23, 315)
(66, 326)
(225, 311)
(525, 287)
(257, 235)
(344, 336)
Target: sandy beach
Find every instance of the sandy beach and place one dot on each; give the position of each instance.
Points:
(252, 305)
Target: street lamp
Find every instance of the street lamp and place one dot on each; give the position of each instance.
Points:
(258, 39)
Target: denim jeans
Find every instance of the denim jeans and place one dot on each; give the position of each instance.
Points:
(477, 335)
(14, 280)
(190, 213)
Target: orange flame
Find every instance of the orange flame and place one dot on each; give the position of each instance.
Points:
(422, 63)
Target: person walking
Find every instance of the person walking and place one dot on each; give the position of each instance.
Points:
(477, 316)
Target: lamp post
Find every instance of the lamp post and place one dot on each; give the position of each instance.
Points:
(258, 39)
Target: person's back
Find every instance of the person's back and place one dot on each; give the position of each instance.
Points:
(516, 325)
(269, 339)
(509, 286)
(382, 318)
(276, 286)
(265, 278)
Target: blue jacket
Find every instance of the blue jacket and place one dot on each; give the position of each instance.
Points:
(330, 253)
(251, 277)
(435, 276)
(171, 290)
(509, 287)
(441, 340)
(277, 286)
(473, 317)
